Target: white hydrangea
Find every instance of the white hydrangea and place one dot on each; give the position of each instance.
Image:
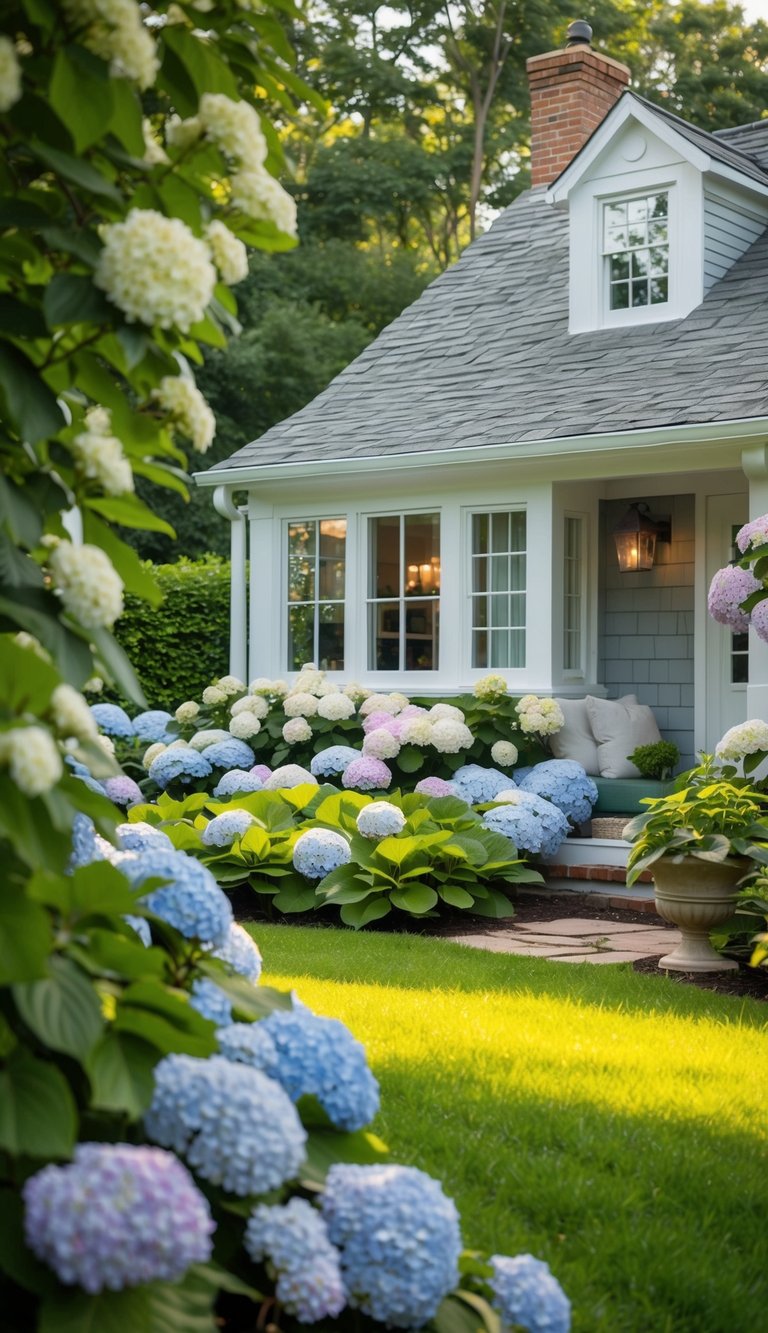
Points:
(155, 270)
(509, 796)
(263, 198)
(235, 128)
(71, 714)
(94, 685)
(401, 700)
(231, 685)
(418, 731)
(296, 730)
(381, 744)
(88, 584)
(746, 738)
(250, 703)
(154, 153)
(182, 133)
(116, 33)
(244, 726)
(490, 687)
(380, 819)
(439, 712)
(10, 74)
(152, 752)
(213, 696)
(357, 693)
(326, 687)
(229, 254)
(289, 775)
(543, 716)
(504, 753)
(187, 712)
(380, 703)
(107, 745)
(33, 758)
(203, 739)
(449, 736)
(300, 705)
(180, 397)
(266, 688)
(308, 681)
(335, 707)
(99, 455)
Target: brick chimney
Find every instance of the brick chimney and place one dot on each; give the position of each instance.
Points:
(571, 92)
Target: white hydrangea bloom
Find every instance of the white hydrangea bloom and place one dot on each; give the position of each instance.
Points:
(10, 74)
(154, 153)
(235, 128)
(33, 758)
(250, 703)
(300, 705)
(203, 739)
(94, 685)
(180, 397)
(308, 681)
(99, 455)
(449, 736)
(155, 270)
(152, 753)
(439, 712)
(116, 33)
(263, 198)
(229, 254)
(296, 730)
(107, 745)
(260, 685)
(746, 738)
(381, 744)
(326, 687)
(504, 753)
(90, 587)
(335, 707)
(380, 703)
(71, 714)
(357, 693)
(490, 687)
(401, 700)
(182, 133)
(187, 712)
(231, 685)
(213, 696)
(244, 726)
(543, 716)
(418, 731)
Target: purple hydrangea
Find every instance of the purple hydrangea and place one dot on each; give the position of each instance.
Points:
(728, 589)
(295, 1239)
(210, 1001)
(112, 720)
(226, 828)
(380, 819)
(236, 1127)
(759, 620)
(531, 823)
(436, 787)
(262, 771)
(565, 783)
(191, 900)
(476, 785)
(237, 782)
(123, 790)
(399, 1240)
(366, 774)
(228, 754)
(319, 1057)
(117, 1216)
(318, 851)
(142, 837)
(527, 1296)
(331, 762)
(179, 763)
(241, 953)
(753, 534)
(152, 726)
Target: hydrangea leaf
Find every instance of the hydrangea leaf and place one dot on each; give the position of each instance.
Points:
(63, 1010)
(120, 1071)
(25, 937)
(326, 1146)
(30, 404)
(71, 298)
(151, 1011)
(248, 1001)
(156, 1307)
(465, 1312)
(37, 1110)
(81, 94)
(16, 1258)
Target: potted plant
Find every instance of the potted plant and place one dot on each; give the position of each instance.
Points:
(699, 841)
(656, 761)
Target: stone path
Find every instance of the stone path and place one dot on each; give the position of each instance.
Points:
(576, 940)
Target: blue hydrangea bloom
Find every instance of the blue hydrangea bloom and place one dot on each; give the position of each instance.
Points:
(210, 1001)
(294, 1237)
(228, 754)
(141, 926)
(112, 720)
(236, 782)
(117, 1216)
(528, 1296)
(178, 763)
(191, 901)
(531, 823)
(85, 848)
(329, 763)
(380, 819)
(142, 837)
(319, 1057)
(224, 829)
(318, 851)
(241, 953)
(152, 726)
(476, 784)
(565, 783)
(248, 1044)
(399, 1240)
(235, 1127)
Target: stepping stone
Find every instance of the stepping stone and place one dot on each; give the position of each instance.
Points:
(650, 942)
(495, 945)
(544, 937)
(578, 925)
(623, 957)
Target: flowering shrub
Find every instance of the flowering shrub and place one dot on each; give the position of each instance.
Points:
(294, 1238)
(319, 1057)
(526, 1294)
(533, 824)
(319, 851)
(564, 783)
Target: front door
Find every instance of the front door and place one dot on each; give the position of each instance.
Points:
(727, 667)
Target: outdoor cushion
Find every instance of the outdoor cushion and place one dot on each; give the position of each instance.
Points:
(618, 728)
(622, 796)
(575, 740)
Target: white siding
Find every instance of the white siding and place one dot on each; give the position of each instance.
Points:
(730, 227)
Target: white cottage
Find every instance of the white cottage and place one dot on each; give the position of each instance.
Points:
(539, 465)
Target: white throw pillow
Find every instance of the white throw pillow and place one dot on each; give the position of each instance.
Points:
(618, 728)
(575, 740)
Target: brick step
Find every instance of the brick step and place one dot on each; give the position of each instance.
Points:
(603, 873)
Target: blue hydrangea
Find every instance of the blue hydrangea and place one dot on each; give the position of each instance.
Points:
(236, 782)
(191, 901)
(141, 926)
(113, 721)
(565, 783)
(143, 837)
(179, 763)
(231, 753)
(531, 823)
(224, 829)
(248, 1044)
(380, 819)
(319, 1057)
(399, 1240)
(235, 1127)
(295, 1239)
(117, 1216)
(318, 851)
(241, 953)
(85, 848)
(476, 784)
(210, 1001)
(329, 763)
(152, 726)
(527, 1296)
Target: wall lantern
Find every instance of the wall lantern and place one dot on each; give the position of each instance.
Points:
(636, 537)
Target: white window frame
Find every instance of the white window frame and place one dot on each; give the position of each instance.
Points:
(285, 604)
(659, 308)
(513, 675)
(401, 672)
(577, 672)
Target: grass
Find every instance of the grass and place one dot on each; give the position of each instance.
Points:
(607, 1122)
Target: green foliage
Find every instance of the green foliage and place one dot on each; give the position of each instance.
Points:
(655, 761)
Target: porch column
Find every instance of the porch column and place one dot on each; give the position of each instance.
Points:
(754, 464)
(238, 648)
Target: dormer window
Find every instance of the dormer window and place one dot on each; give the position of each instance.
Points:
(636, 251)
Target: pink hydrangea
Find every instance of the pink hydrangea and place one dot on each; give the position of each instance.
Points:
(728, 589)
(366, 774)
(379, 722)
(261, 771)
(753, 534)
(759, 620)
(411, 711)
(436, 787)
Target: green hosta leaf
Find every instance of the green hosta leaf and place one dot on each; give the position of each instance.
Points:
(37, 1110)
(410, 759)
(362, 914)
(29, 403)
(156, 1307)
(341, 810)
(63, 1010)
(465, 1312)
(493, 904)
(456, 897)
(71, 298)
(120, 1068)
(417, 899)
(25, 937)
(345, 885)
(296, 898)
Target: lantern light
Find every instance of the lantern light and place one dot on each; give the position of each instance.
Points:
(636, 537)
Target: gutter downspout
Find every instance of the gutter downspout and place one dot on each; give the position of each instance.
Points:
(238, 633)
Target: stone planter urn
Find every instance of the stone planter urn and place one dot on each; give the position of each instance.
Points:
(696, 896)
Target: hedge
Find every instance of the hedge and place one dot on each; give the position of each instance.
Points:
(179, 647)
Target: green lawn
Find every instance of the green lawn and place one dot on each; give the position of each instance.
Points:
(607, 1122)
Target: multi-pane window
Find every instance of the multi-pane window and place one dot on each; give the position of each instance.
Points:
(498, 589)
(404, 592)
(739, 642)
(636, 249)
(573, 592)
(315, 594)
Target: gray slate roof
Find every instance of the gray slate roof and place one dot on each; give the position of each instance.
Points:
(731, 152)
(750, 139)
(484, 357)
